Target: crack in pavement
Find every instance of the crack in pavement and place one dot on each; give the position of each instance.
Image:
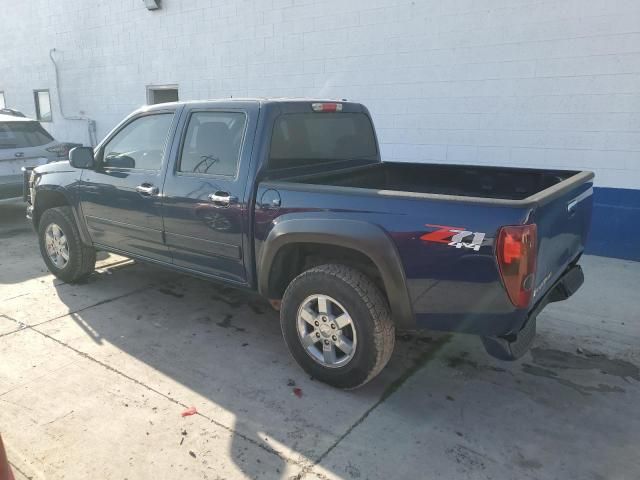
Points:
(85, 355)
(306, 466)
(35, 379)
(390, 390)
(57, 282)
(15, 467)
(101, 302)
(17, 296)
(59, 418)
(22, 325)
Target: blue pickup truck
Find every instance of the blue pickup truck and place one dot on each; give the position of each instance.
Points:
(290, 198)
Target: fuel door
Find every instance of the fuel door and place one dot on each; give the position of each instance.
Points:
(270, 200)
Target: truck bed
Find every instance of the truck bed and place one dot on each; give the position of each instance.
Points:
(410, 201)
(454, 180)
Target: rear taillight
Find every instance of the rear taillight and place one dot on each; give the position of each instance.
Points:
(326, 107)
(516, 251)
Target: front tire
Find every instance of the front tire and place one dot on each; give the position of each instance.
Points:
(61, 247)
(337, 325)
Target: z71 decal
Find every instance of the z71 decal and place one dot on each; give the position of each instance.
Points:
(454, 237)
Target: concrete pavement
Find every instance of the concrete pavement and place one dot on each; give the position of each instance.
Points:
(94, 378)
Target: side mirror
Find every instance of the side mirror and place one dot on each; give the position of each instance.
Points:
(81, 157)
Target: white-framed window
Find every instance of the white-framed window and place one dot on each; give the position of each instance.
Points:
(161, 94)
(43, 105)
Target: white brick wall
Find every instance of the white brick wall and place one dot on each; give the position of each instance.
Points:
(512, 82)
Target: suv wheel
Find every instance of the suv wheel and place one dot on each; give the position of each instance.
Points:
(61, 247)
(337, 325)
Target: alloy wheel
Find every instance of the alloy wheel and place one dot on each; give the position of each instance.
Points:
(326, 331)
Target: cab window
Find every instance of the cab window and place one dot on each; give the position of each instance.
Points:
(140, 144)
(212, 143)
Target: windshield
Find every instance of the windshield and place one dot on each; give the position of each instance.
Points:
(311, 138)
(23, 135)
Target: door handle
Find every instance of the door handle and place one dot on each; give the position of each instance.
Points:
(222, 199)
(147, 190)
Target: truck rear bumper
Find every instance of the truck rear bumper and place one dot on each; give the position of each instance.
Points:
(515, 345)
(568, 284)
(500, 324)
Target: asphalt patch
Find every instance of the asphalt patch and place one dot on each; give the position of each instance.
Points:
(581, 389)
(226, 323)
(549, 358)
(166, 291)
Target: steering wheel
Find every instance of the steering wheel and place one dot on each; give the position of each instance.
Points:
(205, 164)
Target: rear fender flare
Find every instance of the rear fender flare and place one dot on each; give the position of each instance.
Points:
(366, 238)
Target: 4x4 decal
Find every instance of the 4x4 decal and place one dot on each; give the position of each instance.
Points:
(454, 237)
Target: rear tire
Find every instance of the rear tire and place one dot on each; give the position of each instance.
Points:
(61, 247)
(357, 319)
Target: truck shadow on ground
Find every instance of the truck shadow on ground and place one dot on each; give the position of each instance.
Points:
(18, 242)
(221, 350)
(20, 260)
(225, 346)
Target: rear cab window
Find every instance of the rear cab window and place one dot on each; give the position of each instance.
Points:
(22, 134)
(312, 138)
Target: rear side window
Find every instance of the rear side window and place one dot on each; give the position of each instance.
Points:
(212, 143)
(23, 135)
(311, 138)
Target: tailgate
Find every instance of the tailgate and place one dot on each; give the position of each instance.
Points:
(563, 225)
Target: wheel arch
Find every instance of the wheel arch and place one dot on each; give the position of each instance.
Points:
(52, 196)
(372, 245)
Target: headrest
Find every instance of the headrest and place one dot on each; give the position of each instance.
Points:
(211, 137)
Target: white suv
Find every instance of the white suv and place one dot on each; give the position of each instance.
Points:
(24, 143)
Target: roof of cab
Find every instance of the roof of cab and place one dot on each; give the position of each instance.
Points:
(258, 100)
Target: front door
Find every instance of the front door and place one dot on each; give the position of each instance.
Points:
(121, 198)
(204, 206)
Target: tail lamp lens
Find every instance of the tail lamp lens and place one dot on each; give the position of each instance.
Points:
(516, 252)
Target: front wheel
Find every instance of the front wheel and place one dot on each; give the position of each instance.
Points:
(337, 325)
(61, 247)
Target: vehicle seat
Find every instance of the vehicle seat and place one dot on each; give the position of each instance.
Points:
(214, 152)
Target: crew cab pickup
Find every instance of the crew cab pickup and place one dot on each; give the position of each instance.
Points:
(290, 198)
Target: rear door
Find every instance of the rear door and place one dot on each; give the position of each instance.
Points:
(205, 200)
(121, 198)
(562, 228)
